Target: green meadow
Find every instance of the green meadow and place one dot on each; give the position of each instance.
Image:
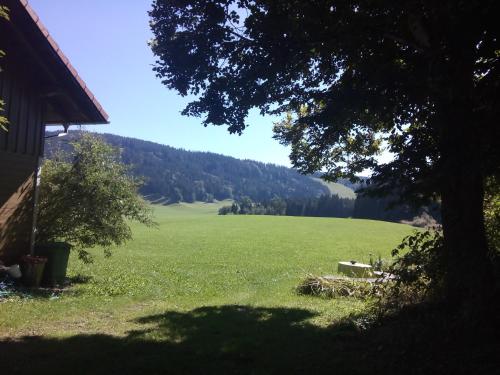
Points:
(227, 277)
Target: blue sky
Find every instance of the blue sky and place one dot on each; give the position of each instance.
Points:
(106, 41)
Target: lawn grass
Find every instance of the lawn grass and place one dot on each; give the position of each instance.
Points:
(231, 279)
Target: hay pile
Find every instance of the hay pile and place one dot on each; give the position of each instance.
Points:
(333, 287)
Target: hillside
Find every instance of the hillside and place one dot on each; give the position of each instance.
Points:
(337, 188)
(175, 175)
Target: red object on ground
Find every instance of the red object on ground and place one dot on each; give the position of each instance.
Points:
(32, 259)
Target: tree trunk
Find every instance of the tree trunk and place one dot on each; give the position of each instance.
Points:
(469, 272)
(469, 269)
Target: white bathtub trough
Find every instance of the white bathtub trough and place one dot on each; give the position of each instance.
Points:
(355, 269)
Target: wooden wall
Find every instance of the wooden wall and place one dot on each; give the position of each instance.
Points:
(24, 112)
(20, 148)
(16, 200)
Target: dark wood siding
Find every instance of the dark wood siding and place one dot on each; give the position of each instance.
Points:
(16, 204)
(20, 148)
(23, 108)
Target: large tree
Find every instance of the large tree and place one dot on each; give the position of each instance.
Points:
(421, 76)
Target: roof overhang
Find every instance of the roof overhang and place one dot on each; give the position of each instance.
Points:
(39, 59)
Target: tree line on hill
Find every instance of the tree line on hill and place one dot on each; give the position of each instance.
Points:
(362, 207)
(173, 175)
(323, 206)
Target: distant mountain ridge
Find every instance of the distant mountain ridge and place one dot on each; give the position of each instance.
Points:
(176, 175)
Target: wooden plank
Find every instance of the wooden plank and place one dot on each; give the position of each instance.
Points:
(38, 134)
(23, 121)
(5, 94)
(30, 127)
(3, 133)
(13, 113)
(41, 137)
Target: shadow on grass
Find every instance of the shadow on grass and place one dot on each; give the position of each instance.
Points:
(244, 339)
(11, 289)
(79, 279)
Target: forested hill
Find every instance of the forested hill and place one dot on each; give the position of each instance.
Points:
(173, 175)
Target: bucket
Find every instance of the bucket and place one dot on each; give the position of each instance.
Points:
(57, 254)
(32, 270)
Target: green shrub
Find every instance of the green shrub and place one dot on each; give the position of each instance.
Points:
(419, 272)
(87, 197)
(492, 213)
(225, 210)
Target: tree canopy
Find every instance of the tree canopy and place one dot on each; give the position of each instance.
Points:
(354, 73)
(420, 76)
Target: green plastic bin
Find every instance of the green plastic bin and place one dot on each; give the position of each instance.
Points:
(57, 254)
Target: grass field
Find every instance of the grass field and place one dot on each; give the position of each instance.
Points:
(201, 289)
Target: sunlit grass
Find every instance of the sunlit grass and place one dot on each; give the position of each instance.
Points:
(196, 258)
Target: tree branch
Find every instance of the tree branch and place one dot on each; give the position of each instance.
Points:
(241, 36)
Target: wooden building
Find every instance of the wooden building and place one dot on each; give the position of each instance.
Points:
(39, 87)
